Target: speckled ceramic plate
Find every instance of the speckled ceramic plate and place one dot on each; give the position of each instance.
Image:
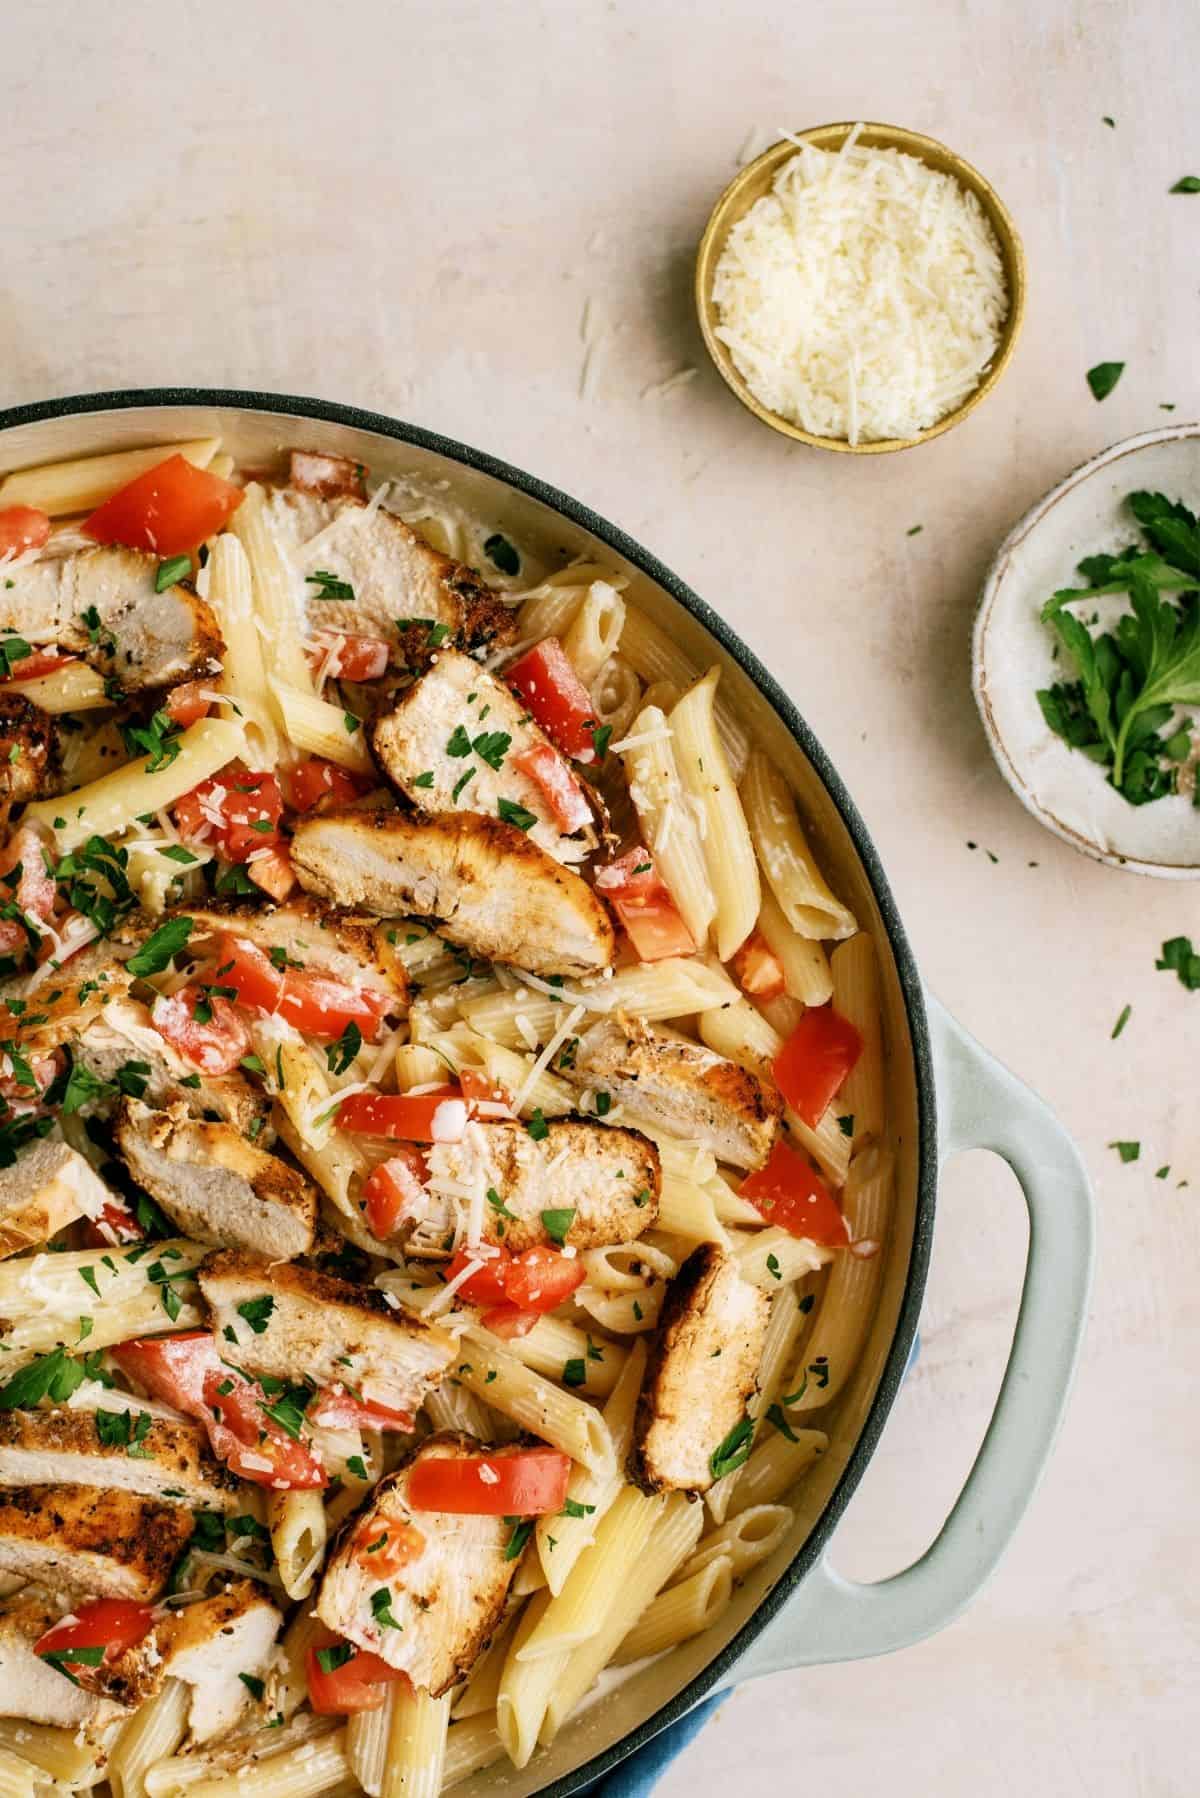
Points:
(1014, 656)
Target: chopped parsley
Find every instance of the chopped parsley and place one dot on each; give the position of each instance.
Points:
(175, 568)
(424, 780)
(461, 782)
(558, 1223)
(1186, 184)
(776, 1416)
(846, 1124)
(160, 948)
(601, 738)
(501, 554)
(522, 1530)
(733, 1452)
(509, 812)
(358, 1467)
(330, 586)
(573, 1507)
(537, 1126)
(381, 1608)
(1178, 957)
(1126, 1014)
(574, 1371)
(257, 1312)
(603, 1104)
(54, 1376)
(1128, 1151)
(335, 1656)
(253, 1685)
(341, 1054)
(1103, 378)
(773, 1267)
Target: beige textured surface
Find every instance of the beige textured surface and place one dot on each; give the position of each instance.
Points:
(410, 206)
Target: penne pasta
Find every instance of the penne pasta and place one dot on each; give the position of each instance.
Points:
(856, 997)
(577, 1611)
(561, 1540)
(477, 1696)
(776, 1466)
(278, 601)
(470, 1747)
(709, 782)
(595, 631)
(670, 823)
(740, 1032)
(555, 1345)
(108, 806)
(773, 1258)
(788, 1322)
(675, 988)
(804, 962)
(244, 679)
(616, 694)
(751, 1536)
(319, 728)
(557, 1417)
(75, 688)
(16, 1776)
(367, 1735)
(685, 1609)
(82, 484)
(786, 859)
(687, 1210)
(657, 658)
(63, 1755)
(416, 1747)
(154, 1732)
(298, 1529)
(845, 1309)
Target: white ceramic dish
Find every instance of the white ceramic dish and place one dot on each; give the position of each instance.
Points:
(1013, 657)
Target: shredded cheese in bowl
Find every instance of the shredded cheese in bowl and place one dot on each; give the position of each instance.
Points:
(864, 296)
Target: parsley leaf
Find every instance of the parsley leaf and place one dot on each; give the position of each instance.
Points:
(558, 1223)
(1178, 957)
(175, 568)
(520, 1536)
(537, 1126)
(733, 1452)
(381, 1608)
(509, 812)
(775, 1415)
(257, 1312)
(501, 554)
(1128, 1151)
(1126, 1014)
(160, 948)
(1186, 184)
(339, 1055)
(574, 1371)
(329, 586)
(1103, 378)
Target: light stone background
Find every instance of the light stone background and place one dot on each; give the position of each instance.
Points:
(410, 205)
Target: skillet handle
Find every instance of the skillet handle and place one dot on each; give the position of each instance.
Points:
(980, 1105)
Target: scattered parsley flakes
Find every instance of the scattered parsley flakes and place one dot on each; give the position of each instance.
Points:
(1128, 1151)
(501, 554)
(381, 1608)
(160, 948)
(330, 585)
(1103, 378)
(574, 1371)
(1178, 957)
(253, 1685)
(1186, 184)
(558, 1223)
(257, 1312)
(537, 1126)
(733, 1452)
(509, 812)
(424, 780)
(1160, 1173)
(1126, 1014)
(175, 568)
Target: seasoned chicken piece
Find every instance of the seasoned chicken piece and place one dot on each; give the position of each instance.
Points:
(64, 1001)
(123, 1034)
(139, 1451)
(33, 1689)
(343, 944)
(216, 1186)
(452, 743)
(680, 1087)
(29, 748)
(101, 604)
(292, 1323)
(701, 1372)
(209, 1645)
(47, 1188)
(113, 1544)
(445, 1601)
(602, 1185)
(491, 890)
(395, 575)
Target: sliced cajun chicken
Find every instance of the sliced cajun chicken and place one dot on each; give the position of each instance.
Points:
(701, 1372)
(459, 740)
(34, 1690)
(209, 1645)
(396, 578)
(292, 1323)
(101, 604)
(123, 1033)
(493, 891)
(597, 1185)
(139, 1449)
(217, 1187)
(681, 1088)
(114, 1544)
(446, 1575)
(47, 1188)
(29, 749)
(330, 940)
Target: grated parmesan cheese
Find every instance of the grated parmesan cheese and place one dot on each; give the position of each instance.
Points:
(864, 296)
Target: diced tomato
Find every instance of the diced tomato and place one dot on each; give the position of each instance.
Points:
(354, 657)
(214, 1043)
(116, 1223)
(815, 1060)
(485, 1097)
(558, 786)
(546, 680)
(34, 665)
(111, 1624)
(167, 510)
(315, 1003)
(439, 1116)
(386, 1544)
(530, 1482)
(186, 1371)
(337, 1409)
(757, 969)
(355, 1684)
(236, 811)
(510, 1321)
(315, 779)
(394, 1192)
(272, 870)
(186, 704)
(540, 1279)
(790, 1194)
(326, 475)
(642, 901)
(22, 528)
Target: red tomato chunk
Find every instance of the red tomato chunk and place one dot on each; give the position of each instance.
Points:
(168, 510)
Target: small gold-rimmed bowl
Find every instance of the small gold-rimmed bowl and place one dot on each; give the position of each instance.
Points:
(751, 183)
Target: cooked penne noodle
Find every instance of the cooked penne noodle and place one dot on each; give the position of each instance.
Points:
(278, 600)
(561, 1540)
(804, 962)
(856, 997)
(417, 1064)
(548, 610)
(674, 988)
(82, 484)
(62, 1754)
(577, 1611)
(526, 1687)
(75, 688)
(554, 1344)
(595, 631)
(319, 1765)
(786, 859)
(470, 1747)
(624, 1313)
(451, 1407)
(845, 1308)
(244, 679)
(663, 694)
(786, 1325)
(670, 822)
(616, 694)
(687, 1210)
(709, 782)
(557, 1417)
(671, 1541)
(626, 1266)
(530, 1577)
(742, 1033)
(775, 1467)
(416, 1750)
(16, 1776)
(477, 1696)
(751, 1536)
(110, 805)
(154, 1731)
(367, 1735)
(655, 656)
(289, 1687)
(70, 1284)
(682, 1611)
(298, 1529)
(319, 728)
(772, 1258)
